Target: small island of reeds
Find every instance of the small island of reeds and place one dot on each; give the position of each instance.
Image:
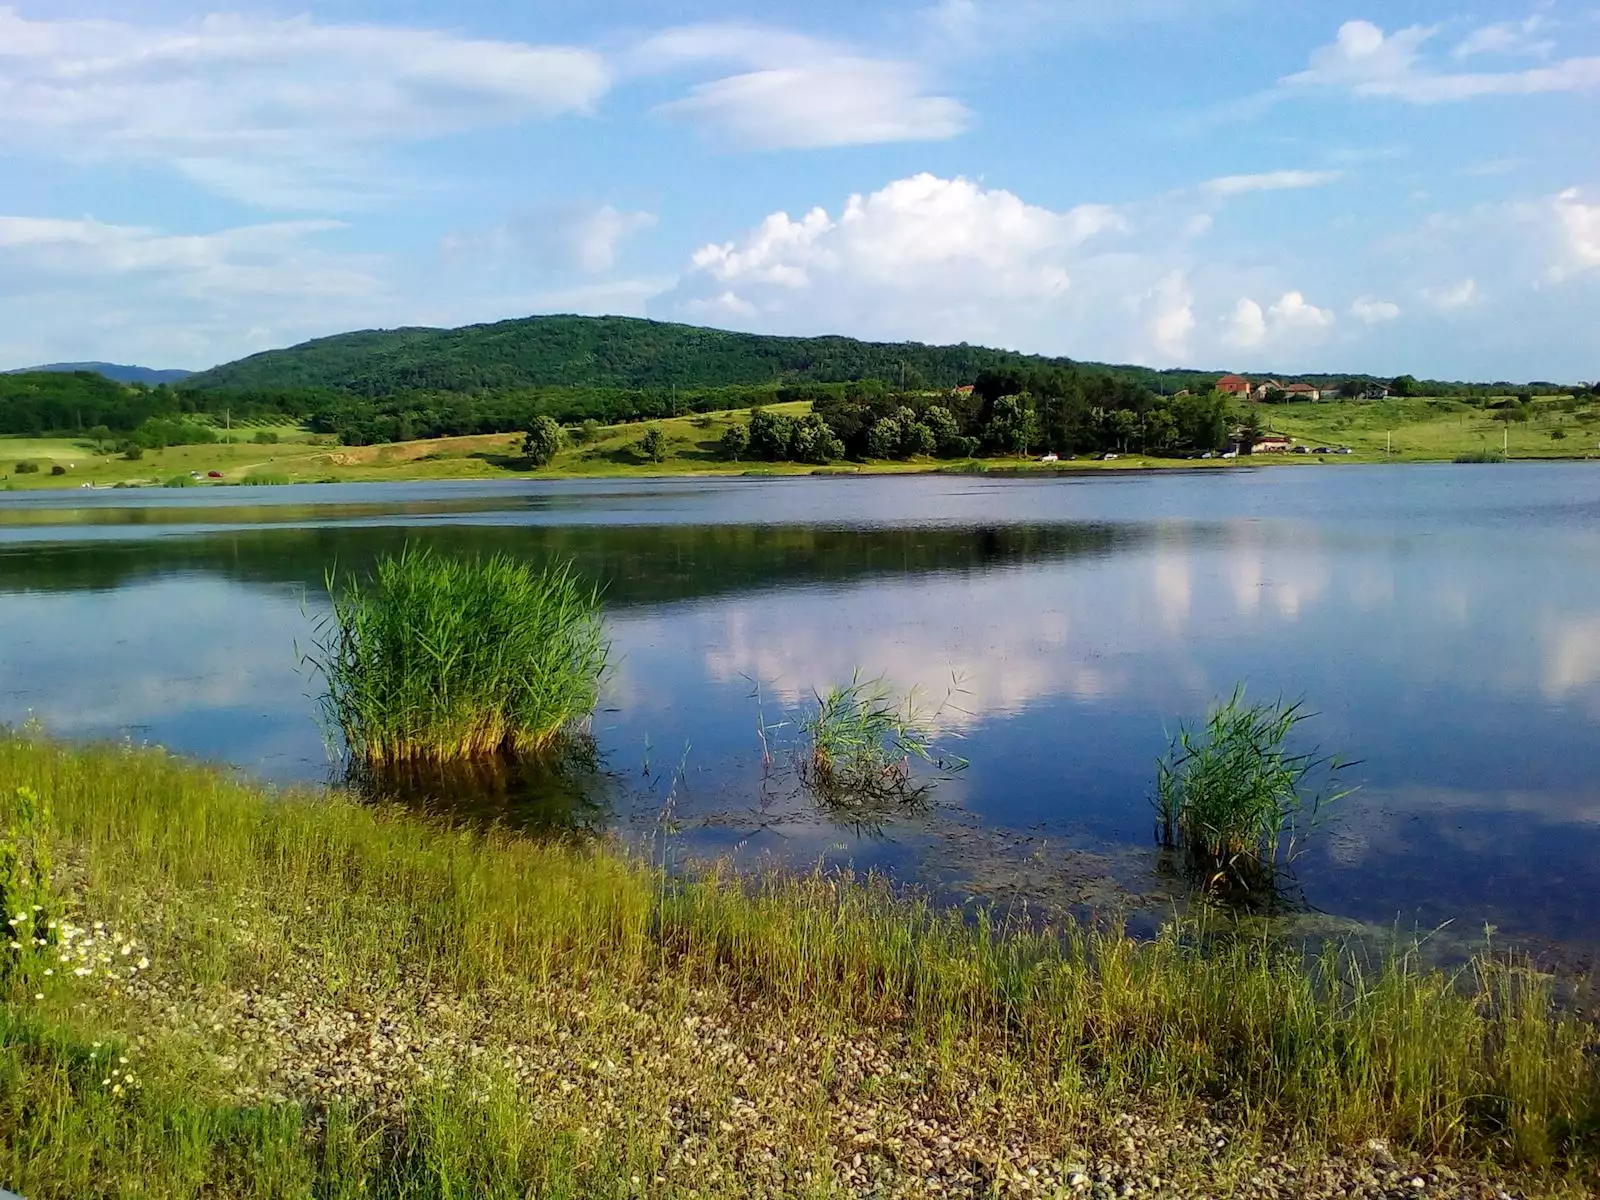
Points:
(437, 659)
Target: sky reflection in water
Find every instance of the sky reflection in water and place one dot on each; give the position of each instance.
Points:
(1444, 623)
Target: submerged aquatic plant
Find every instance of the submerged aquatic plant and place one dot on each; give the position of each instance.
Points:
(860, 742)
(1232, 796)
(444, 659)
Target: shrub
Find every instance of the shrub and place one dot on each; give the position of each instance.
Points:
(542, 441)
(27, 468)
(1232, 797)
(266, 437)
(440, 659)
(133, 452)
(917, 439)
(735, 442)
(1481, 456)
(814, 441)
(771, 435)
(58, 469)
(264, 479)
(653, 445)
(883, 439)
(179, 481)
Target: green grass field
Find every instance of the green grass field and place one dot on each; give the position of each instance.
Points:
(1413, 430)
(1416, 430)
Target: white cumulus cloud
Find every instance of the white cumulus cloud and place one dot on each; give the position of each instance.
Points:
(1250, 326)
(1171, 316)
(922, 257)
(1579, 227)
(282, 112)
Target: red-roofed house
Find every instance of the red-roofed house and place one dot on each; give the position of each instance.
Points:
(1234, 385)
(1303, 391)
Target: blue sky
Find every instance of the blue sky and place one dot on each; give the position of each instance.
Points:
(1219, 183)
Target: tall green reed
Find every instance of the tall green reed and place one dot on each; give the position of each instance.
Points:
(1233, 797)
(860, 743)
(441, 659)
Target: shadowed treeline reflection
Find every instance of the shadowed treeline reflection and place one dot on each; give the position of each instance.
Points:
(634, 564)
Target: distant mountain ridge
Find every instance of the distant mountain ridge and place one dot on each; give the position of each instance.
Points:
(118, 372)
(619, 352)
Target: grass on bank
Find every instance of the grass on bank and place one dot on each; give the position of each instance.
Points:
(442, 659)
(230, 886)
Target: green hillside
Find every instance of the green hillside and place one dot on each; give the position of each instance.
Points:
(612, 352)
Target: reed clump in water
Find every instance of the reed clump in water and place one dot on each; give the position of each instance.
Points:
(1234, 798)
(441, 659)
(860, 742)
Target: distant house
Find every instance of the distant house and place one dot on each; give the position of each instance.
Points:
(1233, 385)
(1375, 391)
(1272, 443)
(1303, 391)
(1263, 390)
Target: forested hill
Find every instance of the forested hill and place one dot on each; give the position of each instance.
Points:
(616, 352)
(116, 372)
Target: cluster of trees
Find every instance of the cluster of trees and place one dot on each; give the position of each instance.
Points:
(777, 437)
(1064, 410)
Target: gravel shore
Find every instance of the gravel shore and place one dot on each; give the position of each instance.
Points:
(737, 1093)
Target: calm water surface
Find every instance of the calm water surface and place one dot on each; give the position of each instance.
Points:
(1443, 621)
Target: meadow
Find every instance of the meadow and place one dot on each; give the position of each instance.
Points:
(1411, 430)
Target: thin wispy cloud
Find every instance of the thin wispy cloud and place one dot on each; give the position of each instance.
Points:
(277, 112)
(1268, 181)
(798, 92)
(1372, 63)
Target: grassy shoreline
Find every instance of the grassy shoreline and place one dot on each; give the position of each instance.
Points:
(342, 1001)
(1391, 431)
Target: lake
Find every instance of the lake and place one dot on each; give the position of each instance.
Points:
(1442, 621)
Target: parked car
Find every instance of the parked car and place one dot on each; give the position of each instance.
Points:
(1209, 454)
(1344, 450)
(1108, 458)
(1230, 454)
(213, 474)
(1050, 458)
(1321, 450)
(1302, 450)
